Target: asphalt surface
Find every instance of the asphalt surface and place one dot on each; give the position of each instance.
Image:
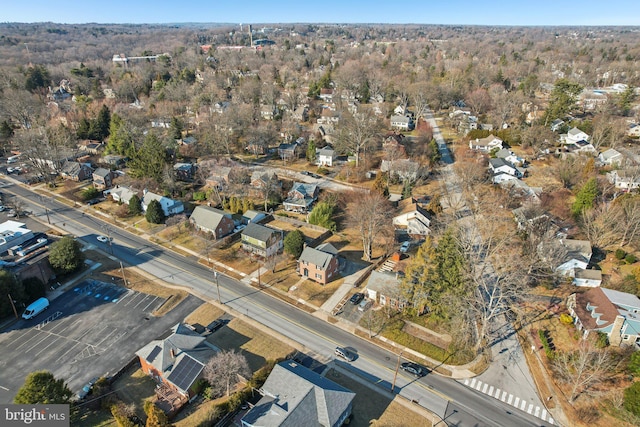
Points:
(456, 404)
(91, 330)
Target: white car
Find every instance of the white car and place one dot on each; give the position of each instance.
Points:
(10, 170)
(103, 239)
(405, 247)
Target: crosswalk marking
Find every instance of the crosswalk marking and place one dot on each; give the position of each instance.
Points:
(509, 399)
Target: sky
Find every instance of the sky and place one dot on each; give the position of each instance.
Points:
(465, 12)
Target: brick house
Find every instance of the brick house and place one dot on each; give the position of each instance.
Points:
(211, 220)
(319, 264)
(103, 178)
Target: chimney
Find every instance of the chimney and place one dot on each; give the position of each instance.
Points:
(173, 353)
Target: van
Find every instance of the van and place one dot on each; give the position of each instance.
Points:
(35, 308)
(13, 159)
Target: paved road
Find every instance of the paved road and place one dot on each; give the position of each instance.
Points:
(456, 404)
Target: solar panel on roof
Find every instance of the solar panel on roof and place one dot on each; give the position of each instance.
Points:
(154, 353)
(184, 374)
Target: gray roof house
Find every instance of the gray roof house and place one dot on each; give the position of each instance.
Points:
(319, 264)
(212, 220)
(301, 197)
(384, 288)
(401, 122)
(611, 157)
(120, 194)
(262, 241)
(169, 206)
(294, 395)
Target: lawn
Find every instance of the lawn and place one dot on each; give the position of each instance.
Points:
(371, 408)
(135, 387)
(204, 315)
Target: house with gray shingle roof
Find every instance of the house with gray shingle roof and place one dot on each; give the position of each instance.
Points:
(120, 194)
(177, 360)
(319, 264)
(294, 395)
(262, 241)
(169, 206)
(384, 288)
(210, 220)
(301, 197)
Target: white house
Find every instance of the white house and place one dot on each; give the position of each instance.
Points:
(587, 278)
(577, 256)
(401, 122)
(634, 130)
(625, 180)
(120, 194)
(510, 157)
(574, 135)
(486, 144)
(611, 157)
(499, 165)
(325, 156)
(169, 206)
(412, 219)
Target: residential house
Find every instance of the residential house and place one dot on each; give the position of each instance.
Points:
(634, 130)
(580, 147)
(120, 194)
(319, 264)
(325, 156)
(301, 113)
(184, 171)
(268, 112)
(261, 241)
(412, 219)
(557, 124)
(76, 171)
(591, 99)
(114, 160)
(510, 157)
(587, 278)
(614, 313)
(611, 157)
(212, 221)
(625, 179)
(90, 146)
(103, 178)
(503, 170)
(262, 178)
(401, 110)
(301, 197)
(403, 123)
(253, 216)
(573, 136)
(288, 151)
(169, 206)
(218, 176)
(177, 362)
(384, 289)
(328, 116)
(294, 395)
(486, 144)
(404, 168)
(326, 94)
(576, 256)
(187, 141)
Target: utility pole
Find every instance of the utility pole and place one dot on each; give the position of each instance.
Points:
(395, 374)
(215, 274)
(13, 306)
(124, 279)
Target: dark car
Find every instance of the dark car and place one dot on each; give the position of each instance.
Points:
(215, 325)
(356, 298)
(86, 389)
(345, 354)
(414, 369)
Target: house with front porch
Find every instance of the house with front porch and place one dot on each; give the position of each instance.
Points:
(614, 313)
(76, 171)
(120, 194)
(325, 156)
(384, 289)
(262, 241)
(412, 219)
(403, 123)
(486, 144)
(625, 179)
(301, 197)
(319, 264)
(103, 178)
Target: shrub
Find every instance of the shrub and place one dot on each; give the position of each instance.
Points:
(199, 196)
(322, 171)
(632, 399)
(548, 348)
(634, 364)
(620, 254)
(294, 243)
(566, 319)
(602, 341)
(630, 258)
(90, 193)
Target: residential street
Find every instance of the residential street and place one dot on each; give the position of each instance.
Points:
(459, 405)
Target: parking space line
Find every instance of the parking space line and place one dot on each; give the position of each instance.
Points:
(49, 345)
(108, 335)
(132, 299)
(39, 342)
(141, 301)
(152, 301)
(66, 352)
(37, 333)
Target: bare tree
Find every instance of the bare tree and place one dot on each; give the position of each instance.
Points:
(583, 368)
(370, 214)
(356, 132)
(226, 369)
(46, 149)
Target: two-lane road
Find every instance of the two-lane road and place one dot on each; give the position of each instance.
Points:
(453, 402)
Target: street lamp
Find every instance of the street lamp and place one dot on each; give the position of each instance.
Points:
(215, 274)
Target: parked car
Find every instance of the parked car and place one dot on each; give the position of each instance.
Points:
(356, 298)
(414, 369)
(103, 239)
(86, 389)
(405, 247)
(215, 325)
(364, 304)
(10, 170)
(12, 213)
(345, 354)
(2, 208)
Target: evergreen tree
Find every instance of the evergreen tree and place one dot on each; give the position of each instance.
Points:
(34, 288)
(65, 255)
(135, 205)
(155, 416)
(149, 160)
(632, 398)
(120, 139)
(10, 285)
(155, 214)
(294, 243)
(311, 152)
(176, 128)
(42, 387)
(37, 79)
(322, 215)
(380, 184)
(585, 197)
(563, 99)
(101, 124)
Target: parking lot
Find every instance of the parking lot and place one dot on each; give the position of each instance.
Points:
(91, 330)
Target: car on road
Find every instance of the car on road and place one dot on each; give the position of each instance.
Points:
(12, 213)
(405, 247)
(356, 298)
(345, 354)
(305, 173)
(414, 369)
(103, 239)
(86, 389)
(315, 175)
